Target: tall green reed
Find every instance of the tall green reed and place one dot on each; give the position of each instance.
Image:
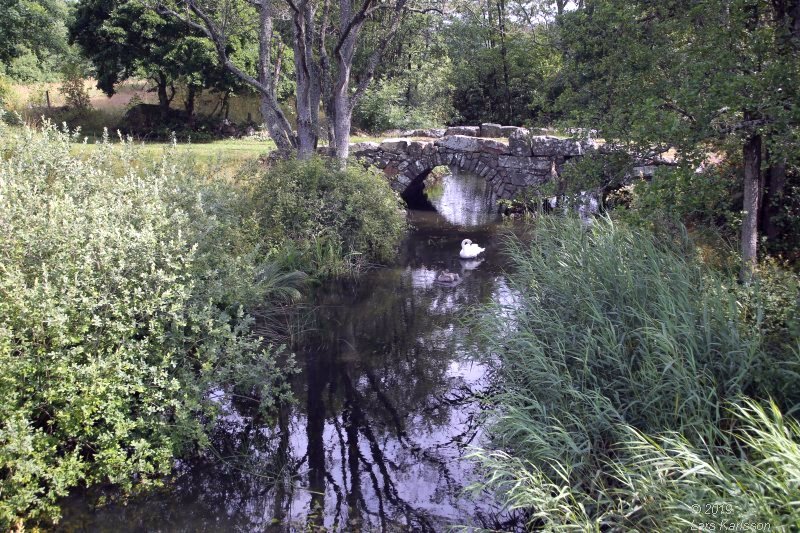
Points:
(615, 338)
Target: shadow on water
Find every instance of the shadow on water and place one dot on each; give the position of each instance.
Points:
(385, 407)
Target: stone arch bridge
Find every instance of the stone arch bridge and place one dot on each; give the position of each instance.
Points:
(510, 159)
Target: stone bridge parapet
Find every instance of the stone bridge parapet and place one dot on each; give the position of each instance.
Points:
(510, 160)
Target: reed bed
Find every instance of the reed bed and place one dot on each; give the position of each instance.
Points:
(633, 389)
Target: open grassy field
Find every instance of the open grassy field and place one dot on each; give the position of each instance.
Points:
(106, 112)
(130, 92)
(225, 153)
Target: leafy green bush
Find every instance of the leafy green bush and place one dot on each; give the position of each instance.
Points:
(617, 362)
(123, 288)
(711, 198)
(322, 219)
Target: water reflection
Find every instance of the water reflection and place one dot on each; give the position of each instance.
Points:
(462, 199)
(385, 409)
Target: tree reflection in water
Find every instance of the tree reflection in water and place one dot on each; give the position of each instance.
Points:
(385, 411)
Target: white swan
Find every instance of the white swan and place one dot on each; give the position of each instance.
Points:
(469, 250)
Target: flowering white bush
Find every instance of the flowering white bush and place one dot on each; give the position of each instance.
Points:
(122, 288)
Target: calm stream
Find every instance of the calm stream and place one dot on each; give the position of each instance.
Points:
(383, 419)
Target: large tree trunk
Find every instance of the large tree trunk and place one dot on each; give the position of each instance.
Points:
(278, 126)
(342, 109)
(307, 80)
(342, 121)
(752, 190)
(188, 103)
(283, 142)
(342, 113)
(310, 76)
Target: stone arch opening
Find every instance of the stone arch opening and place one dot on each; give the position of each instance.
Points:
(456, 192)
(414, 193)
(418, 194)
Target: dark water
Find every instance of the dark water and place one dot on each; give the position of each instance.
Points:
(384, 414)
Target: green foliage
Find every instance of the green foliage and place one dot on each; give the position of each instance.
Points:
(32, 27)
(750, 476)
(683, 195)
(412, 86)
(616, 362)
(9, 103)
(505, 62)
(74, 89)
(323, 219)
(123, 289)
(700, 77)
(5, 93)
(127, 39)
(383, 108)
(415, 97)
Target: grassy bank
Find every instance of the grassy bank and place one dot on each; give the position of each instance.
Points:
(128, 282)
(635, 386)
(225, 154)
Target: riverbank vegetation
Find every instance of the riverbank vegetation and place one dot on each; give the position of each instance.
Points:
(649, 367)
(638, 388)
(128, 286)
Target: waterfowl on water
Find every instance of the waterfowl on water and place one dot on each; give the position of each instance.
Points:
(469, 250)
(448, 277)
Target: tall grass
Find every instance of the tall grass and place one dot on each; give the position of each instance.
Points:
(623, 368)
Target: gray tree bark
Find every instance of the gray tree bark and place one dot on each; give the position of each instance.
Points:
(752, 199)
(317, 80)
(306, 79)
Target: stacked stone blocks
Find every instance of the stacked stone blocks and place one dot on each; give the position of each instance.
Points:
(524, 161)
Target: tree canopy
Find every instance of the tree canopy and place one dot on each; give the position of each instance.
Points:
(33, 29)
(126, 38)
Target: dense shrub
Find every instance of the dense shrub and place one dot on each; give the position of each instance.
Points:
(711, 198)
(323, 219)
(622, 368)
(123, 285)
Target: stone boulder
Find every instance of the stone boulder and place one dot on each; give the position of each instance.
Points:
(523, 144)
(395, 146)
(545, 146)
(363, 148)
(433, 133)
(464, 143)
(519, 143)
(506, 131)
(525, 164)
(471, 131)
(417, 148)
(491, 130)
